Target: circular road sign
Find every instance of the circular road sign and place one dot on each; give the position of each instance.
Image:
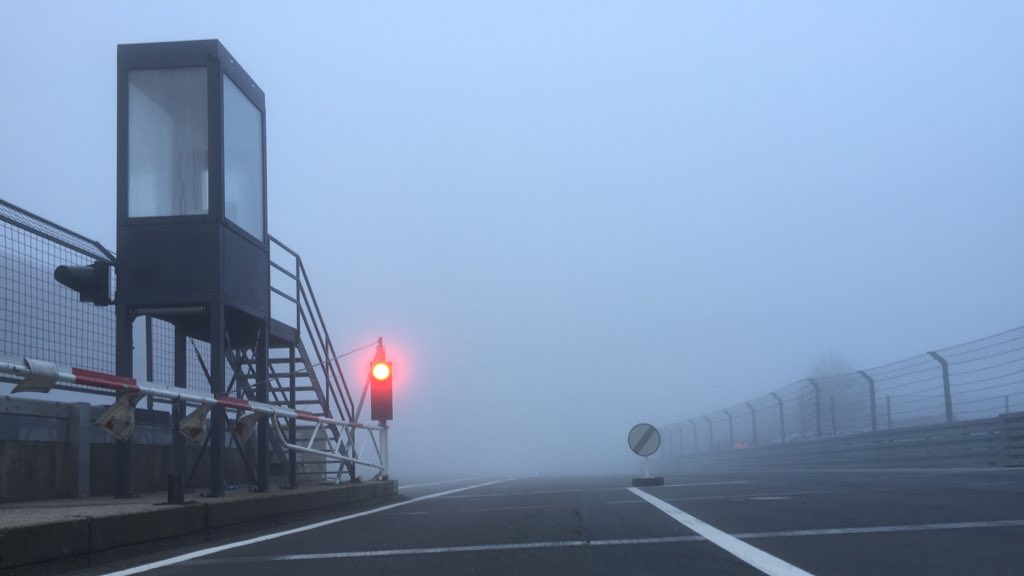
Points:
(644, 439)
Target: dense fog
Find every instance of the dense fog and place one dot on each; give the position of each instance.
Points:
(567, 218)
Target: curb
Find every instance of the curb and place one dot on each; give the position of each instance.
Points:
(26, 549)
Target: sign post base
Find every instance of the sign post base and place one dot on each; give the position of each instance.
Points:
(644, 440)
(647, 479)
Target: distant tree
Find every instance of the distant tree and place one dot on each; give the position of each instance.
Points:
(830, 364)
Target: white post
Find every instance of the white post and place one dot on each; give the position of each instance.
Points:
(647, 474)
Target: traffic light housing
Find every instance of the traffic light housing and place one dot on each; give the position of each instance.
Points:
(92, 282)
(380, 391)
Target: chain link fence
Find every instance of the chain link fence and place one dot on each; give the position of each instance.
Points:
(40, 318)
(978, 379)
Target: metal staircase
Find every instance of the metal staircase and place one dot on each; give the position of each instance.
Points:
(304, 374)
(305, 370)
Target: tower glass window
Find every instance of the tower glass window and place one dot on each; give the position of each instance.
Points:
(168, 150)
(243, 161)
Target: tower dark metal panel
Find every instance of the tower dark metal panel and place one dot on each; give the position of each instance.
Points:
(178, 243)
(192, 237)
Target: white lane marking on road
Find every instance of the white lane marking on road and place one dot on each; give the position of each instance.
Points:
(492, 509)
(732, 497)
(398, 552)
(422, 484)
(708, 483)
(616, 542)
(275, 535)
(756, 557)
(447, 550)
(535, 493)
(891, 470)
(609, 489)
(883, 529)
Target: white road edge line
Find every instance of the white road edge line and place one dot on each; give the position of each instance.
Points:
(446, 550)
(709, 483)
(756, 557)
(422, 484)
(208, 551)
(615, 542)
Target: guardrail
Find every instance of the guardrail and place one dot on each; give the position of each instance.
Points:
(984, 442)
(975, 380)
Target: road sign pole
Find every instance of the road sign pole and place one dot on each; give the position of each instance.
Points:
(644, 440)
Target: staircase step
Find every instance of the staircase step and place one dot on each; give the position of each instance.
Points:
(285, 375)
(285, 389)
(297, 402)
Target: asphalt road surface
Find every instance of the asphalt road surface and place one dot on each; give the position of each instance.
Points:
(817, 522)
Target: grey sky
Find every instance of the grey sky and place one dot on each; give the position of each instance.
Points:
(567, 217)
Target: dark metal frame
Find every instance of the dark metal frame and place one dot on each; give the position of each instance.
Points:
(213, 56)
(192, 261)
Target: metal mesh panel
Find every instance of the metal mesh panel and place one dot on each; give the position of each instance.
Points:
(40, 318)
(845, 404)
(909, 392)
(766, 411)
(37, 226)
(986, 378)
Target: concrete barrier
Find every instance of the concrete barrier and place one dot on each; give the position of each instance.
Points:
(973, 443)
(112, 528)
(26, 545)
(130, 529)
(53, 450)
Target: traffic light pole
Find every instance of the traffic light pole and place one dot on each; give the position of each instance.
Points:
(384, 449)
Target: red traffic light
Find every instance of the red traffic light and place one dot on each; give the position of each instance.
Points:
(381, 408)
(381, 371)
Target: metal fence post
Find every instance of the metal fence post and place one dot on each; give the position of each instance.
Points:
(888, 412)
(753, 422)
(732, 439)
(711, 434)
(263, 395)
(817, 406)
(123, 318)
(832, 409)
(176, 490)
(782, 418)
(871, 397)
(217, 415)
(945, 386)
(292, 433)
(149, 357)
(696, 448)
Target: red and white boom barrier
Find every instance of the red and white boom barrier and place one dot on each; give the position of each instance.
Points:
(40, 376)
